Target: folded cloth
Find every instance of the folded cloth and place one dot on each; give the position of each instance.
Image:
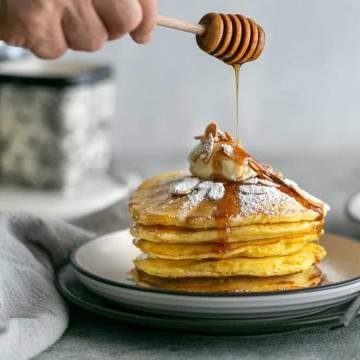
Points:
(32, 313)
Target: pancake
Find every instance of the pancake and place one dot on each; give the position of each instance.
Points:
(259, 248)
(173, 234)
(240, 266)
(259, 202)
(308, 278)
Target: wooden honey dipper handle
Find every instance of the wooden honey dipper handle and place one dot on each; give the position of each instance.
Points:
(182, 25)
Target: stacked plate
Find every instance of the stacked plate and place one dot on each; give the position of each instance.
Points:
(104, 266)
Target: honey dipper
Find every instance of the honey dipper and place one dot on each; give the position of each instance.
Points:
(232, 38)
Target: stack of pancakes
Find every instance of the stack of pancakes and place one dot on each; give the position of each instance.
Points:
(255, 237)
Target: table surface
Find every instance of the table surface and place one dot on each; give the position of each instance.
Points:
(333, 178)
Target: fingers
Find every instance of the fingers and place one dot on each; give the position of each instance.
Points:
(25, 26)
(49, 27)
(119, 16)
(58, 47)
(142, 33)
(82, 27)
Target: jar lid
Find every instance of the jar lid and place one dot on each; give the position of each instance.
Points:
(54, 73)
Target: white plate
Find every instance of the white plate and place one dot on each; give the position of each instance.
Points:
(104, 264)
(95, 196)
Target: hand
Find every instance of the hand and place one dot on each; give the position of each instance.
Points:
(50, 27)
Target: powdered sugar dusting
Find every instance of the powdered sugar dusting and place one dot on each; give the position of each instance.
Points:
(267, 200)
(196, 188)
(207, 148)
(217, 191)
(255, 196)
(184, 186)
(228, 149)
(196, 191)
(191, 201)
(196, 197)
(253, 189)
(256, 180)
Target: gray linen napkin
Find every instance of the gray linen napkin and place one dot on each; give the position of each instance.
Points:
(32, 313)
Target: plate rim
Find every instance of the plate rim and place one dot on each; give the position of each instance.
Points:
(85, 272)
(348, 204)
(328, 319)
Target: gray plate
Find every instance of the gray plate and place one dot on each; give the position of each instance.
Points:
(73, 290)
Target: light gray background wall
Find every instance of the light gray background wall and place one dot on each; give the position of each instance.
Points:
(304, 90)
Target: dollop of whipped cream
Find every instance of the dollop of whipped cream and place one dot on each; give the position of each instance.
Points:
(218, 157)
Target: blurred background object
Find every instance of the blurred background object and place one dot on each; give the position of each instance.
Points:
(54, 137)
(12, 52)
(54, 129)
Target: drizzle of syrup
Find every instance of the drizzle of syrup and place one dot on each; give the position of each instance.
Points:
(236, 72)
(222, 248)
(226, 208)
(239, 155)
